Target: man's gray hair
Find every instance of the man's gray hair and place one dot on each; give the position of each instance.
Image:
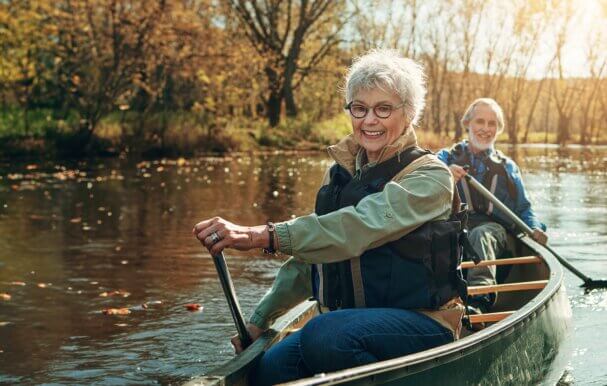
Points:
(492, 104)
(389, 71)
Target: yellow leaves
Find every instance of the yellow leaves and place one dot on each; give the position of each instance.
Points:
(209, 103)
(202, 76)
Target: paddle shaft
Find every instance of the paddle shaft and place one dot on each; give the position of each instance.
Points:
(228, 289)
(524, 227)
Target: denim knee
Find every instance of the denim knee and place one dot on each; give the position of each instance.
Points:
(281, 363)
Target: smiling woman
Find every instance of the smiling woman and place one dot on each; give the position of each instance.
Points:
(394, 286)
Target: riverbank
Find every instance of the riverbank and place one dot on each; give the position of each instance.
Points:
(184, 134)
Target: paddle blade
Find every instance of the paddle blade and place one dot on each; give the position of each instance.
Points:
(594, 284)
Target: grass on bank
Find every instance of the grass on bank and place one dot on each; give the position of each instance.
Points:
(185, 133)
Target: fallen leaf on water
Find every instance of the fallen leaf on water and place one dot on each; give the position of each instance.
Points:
(76, 220)
(2, 324)
(17, 283)
(123, 293)
(36, 217)
(5, 296)
(121, 324)
(42, 285)
(144, 306)
(116, 311)
(31, 167)
(193, 307)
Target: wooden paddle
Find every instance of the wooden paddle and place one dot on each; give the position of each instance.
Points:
(588, 282)
(230, 293)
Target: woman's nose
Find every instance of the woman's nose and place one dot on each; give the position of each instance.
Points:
(371, 117)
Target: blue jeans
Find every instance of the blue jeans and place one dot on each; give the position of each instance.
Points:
(347, 338)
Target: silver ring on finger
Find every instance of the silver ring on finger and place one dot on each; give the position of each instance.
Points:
(215, 237)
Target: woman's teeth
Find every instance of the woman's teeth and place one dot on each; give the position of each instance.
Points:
(373, 133)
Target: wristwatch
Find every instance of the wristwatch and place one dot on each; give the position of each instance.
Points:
(271, 249)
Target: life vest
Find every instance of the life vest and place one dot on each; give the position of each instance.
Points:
(419, 270)
(495, 176)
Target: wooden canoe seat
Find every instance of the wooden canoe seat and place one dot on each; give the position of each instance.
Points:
(510, 261)
(521, 286)
(490, 317)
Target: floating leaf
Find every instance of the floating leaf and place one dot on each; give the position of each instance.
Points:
(5, 296)
(116, 311)
(76, 220)
(41, 285)
(17, 283)
(123, 293)
(193, 307)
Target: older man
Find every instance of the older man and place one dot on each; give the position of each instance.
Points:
(484, 121)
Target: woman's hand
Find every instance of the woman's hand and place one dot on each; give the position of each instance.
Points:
(254, 331)
(458, 172)
(540, 236)
(216, 234)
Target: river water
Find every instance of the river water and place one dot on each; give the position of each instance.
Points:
(77, 238)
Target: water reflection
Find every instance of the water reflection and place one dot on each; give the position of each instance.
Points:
(86, 228)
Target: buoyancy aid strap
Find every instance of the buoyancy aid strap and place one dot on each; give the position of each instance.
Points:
(381, 173)
(321, 287)
(357, 283)
(493, 187)
(468, 195)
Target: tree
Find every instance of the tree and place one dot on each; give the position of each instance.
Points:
(26, 60)
(292, 37)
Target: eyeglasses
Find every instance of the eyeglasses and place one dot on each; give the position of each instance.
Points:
(382, 111)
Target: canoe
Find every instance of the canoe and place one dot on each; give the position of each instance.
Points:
(524, 341)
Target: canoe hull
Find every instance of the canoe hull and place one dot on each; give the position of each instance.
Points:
(527, 348)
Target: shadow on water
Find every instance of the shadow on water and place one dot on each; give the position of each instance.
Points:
(74, 231)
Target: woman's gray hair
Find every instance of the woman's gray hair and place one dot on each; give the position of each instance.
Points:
(389, 71)
(492, 104)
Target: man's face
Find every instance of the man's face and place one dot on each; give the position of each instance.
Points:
(482, 129)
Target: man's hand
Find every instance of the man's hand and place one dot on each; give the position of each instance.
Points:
(255, 333)
(458, 172)
(540, 236)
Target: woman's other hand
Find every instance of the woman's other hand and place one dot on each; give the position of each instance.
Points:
(458, 172)
(216, 234)
(254, 331)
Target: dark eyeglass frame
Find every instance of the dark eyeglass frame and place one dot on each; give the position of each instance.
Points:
(374, 108)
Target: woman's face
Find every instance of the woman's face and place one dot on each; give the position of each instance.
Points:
(371, 132)
(482, 129)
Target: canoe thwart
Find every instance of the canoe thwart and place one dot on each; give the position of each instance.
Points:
(521, 286)
(490, 317)
(509, 261)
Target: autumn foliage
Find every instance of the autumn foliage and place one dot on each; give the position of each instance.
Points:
(128, 76)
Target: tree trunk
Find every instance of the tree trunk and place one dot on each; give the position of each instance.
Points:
(273, 109)
(274, 101)
(290, 105)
